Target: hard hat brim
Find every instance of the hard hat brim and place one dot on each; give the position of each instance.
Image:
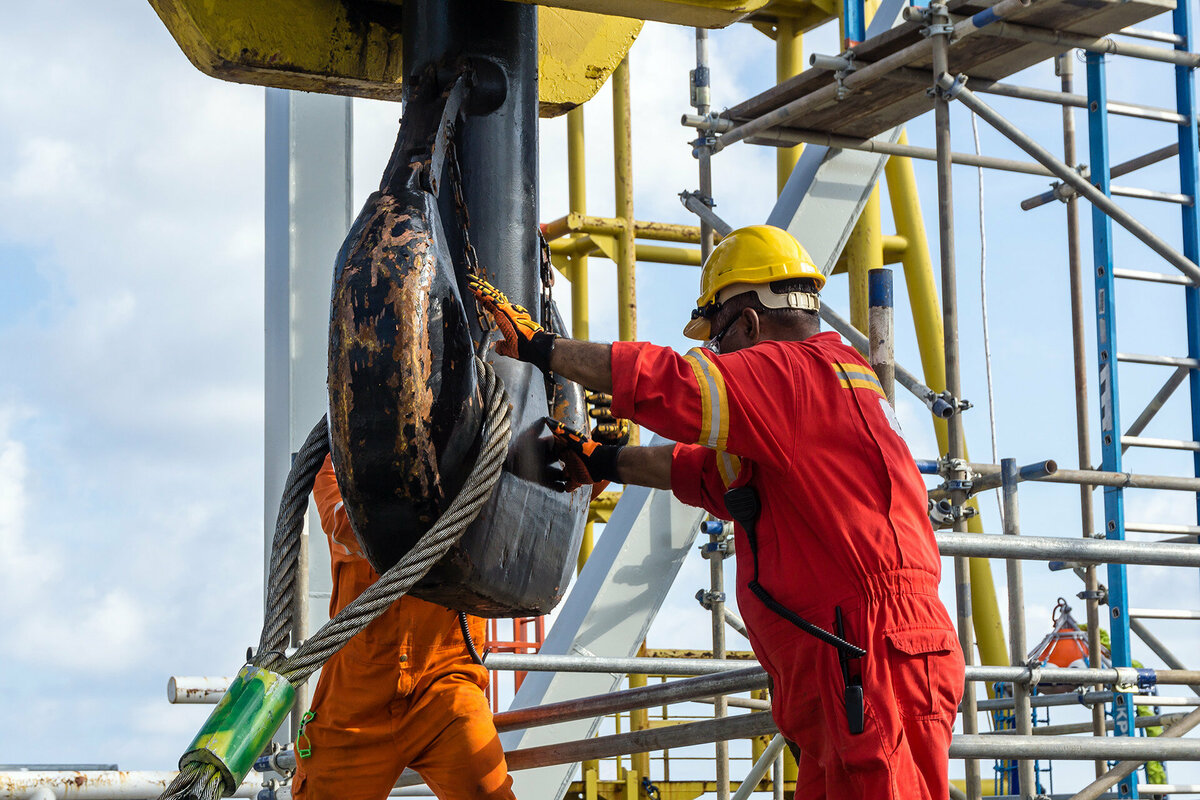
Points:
(698, 328)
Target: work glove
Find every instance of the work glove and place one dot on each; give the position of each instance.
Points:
(586, 461)
(609, 429)
(524, 339)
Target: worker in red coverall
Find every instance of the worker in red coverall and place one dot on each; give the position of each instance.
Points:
(404, 692)
(776, 406)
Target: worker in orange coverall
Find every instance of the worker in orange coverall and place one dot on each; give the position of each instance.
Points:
(404, 692)
(841, 538)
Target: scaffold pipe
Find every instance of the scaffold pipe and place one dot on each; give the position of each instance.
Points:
(1071, 748)
(1030, 472)
(741, 726)
(1063, 98)
(1050, 700)
(756, 773)
(788, 137)
(1062, 192)
(1109, 779)
(1066, 40)
(198, 690)
(901, 58)
(1054, 548)
(720, 684)
(1153, 36)
(1094, 477)
(958, 91)
(1151, 721)
(100, 784)
(1073, 676)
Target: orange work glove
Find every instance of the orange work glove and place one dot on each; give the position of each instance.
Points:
(586, 461)
(524, 338)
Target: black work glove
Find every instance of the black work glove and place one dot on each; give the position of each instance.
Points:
(609, 429)
(586, 461)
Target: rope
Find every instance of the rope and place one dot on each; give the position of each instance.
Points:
(987, 346)
(198, 781)
(285, 546)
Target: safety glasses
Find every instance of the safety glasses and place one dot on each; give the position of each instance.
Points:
(714, 344)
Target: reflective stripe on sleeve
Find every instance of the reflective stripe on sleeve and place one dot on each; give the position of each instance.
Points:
(729, 466)
(714, 407)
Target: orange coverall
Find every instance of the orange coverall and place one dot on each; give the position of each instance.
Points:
(843, 523)
(402, 693)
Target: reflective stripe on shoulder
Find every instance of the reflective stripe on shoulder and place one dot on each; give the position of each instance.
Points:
(714, 407)
(856, 376)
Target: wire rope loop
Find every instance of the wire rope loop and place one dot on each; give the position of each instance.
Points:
(477, 489)
(202, 781)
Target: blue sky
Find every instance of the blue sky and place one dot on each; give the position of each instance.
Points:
(131, 332)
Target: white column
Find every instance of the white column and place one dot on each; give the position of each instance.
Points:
(308, 211)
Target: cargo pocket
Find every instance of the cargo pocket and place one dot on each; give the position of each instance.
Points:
(916, 661)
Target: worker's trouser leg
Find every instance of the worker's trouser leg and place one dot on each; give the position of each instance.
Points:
(463, 759)
(912, 683)
(362, 738)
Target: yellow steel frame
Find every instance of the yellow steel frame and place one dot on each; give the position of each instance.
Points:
(339, 48)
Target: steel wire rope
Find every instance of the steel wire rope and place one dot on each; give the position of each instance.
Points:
(202, 781)
(987, 345)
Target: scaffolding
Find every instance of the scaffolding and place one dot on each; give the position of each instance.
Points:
(944, 53)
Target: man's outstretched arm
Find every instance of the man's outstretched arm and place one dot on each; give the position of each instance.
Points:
(646, 466)
(586, 363)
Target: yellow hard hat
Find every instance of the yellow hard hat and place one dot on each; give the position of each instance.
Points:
(756, 255)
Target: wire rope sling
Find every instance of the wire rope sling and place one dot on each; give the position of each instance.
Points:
(419, 428)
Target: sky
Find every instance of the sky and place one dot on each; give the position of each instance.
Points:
(131, 334)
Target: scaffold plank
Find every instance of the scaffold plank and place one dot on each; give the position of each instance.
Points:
(890, 101)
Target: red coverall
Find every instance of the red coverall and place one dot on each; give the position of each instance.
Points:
(843, 523)
(402, 693)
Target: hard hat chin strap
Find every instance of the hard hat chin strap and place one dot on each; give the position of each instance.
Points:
(805, 301)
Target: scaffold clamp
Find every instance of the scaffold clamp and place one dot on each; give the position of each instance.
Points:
(937, 21)
(943, 513)
(1128, 680)
(703, 142)
(706, 598)
(946, 405)
(947, 86)
(954, 469)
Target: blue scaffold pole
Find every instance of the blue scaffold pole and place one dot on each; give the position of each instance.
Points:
(1185, 100)
(854, 22)
(1110, 417)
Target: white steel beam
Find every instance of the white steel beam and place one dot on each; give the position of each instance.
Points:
(608, 613)
(308, 211)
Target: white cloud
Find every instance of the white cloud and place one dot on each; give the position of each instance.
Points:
(101, 636)
(24, 568)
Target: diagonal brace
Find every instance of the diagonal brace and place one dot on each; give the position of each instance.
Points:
(956, 90)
